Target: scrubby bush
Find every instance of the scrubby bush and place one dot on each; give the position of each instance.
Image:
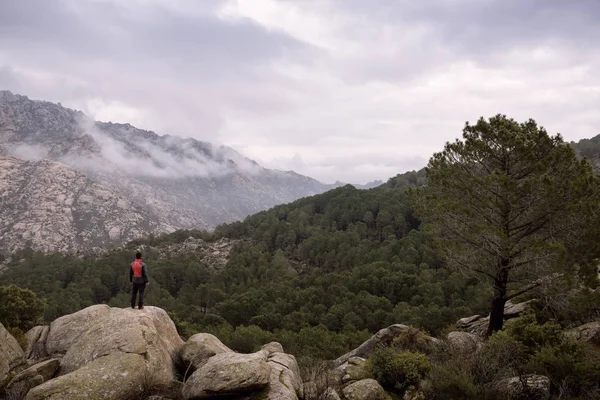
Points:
(19, 308)
(573, 368)
(397, 369)
(412, 339)
(501, 357)
(533, 335)
(459, 375)
(450, 380)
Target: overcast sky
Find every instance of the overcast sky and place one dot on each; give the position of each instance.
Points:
(351, 90)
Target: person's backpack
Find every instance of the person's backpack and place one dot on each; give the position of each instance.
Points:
(137, 267)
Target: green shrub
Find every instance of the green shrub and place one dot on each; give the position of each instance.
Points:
(19, 308)
(572, 368)
(456, 375)
(412, 339)
(502, 353)
(397, 369)
(451, 380)
(534, 336)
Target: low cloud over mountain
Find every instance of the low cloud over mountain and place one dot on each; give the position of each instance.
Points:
(167, 181)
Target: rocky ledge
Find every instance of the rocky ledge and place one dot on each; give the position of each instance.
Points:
(112, 353)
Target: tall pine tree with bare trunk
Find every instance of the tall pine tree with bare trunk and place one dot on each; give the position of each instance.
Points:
(513, 205)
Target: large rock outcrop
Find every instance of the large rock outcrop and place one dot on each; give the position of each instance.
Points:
(53, 207)
(229, 374)
(108, 353)
(112, 377)
(33, 376)
(382, 338)
(365, 389)
(11, 355)
(36, 342)
(112, 353)
(477, 324)
(285, 382)
(269, 373)
(199, 348)
(148, 332)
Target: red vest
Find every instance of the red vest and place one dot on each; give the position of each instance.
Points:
(137, 268)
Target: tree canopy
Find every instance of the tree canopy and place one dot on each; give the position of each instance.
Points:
(19, 308)
(513, 204)
(320, 275)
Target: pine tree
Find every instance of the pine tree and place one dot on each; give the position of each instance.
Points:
(511, 203)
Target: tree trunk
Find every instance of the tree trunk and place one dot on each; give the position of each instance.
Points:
(497, 314)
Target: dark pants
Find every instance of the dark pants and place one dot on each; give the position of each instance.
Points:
(134, 290)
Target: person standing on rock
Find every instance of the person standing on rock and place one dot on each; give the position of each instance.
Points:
(138, 277)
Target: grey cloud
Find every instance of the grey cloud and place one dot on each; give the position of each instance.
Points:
(191, 45)
(183, 64)
(403, 86)
(482, 31)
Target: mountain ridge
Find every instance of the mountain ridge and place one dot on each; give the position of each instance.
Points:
(180, 183)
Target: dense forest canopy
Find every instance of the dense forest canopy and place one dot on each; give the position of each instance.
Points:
(341, 265)
(319, 275)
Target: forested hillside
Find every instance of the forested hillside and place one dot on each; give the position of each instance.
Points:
(590, 149)
(334, 267)
(319, 275)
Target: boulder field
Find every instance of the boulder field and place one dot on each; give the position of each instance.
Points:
(119, 354)
(112, 353)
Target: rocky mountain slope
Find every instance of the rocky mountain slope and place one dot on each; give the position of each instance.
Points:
(156, 183)
(45, 202)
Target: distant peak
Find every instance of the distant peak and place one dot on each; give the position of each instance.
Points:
(7, 95)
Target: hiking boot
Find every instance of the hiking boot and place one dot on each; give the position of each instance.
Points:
(141, 307)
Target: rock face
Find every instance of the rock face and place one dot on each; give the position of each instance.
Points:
(52, 207)
(11, 354)
(199, 348)
(36, 342)
(107, 353)
(464, 341)
(122, 181)
(383, 337)
(478, 324)
(366, 389)
(31, 377)
(66, 330)
(285, 382)
(229, 374)
(534, 387)
(115, 376)
(589, 333)
(355, 370)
